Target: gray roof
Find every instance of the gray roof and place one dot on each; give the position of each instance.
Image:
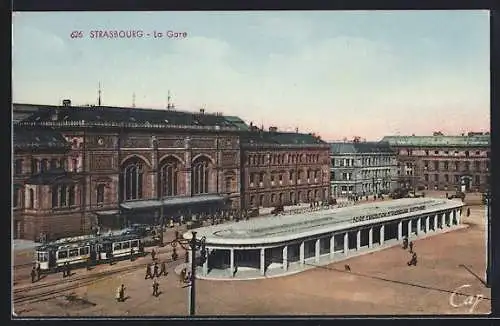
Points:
(279, 229)
(360, 147)
(439, 141)
(153, 203)
(108, 114)
(38, 139)
(257, 137)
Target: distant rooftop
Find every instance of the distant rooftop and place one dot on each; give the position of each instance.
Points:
(360, 147)
(39, 139)
(259, 137)
(439, 141)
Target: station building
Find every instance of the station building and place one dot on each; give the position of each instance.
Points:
(282, 245)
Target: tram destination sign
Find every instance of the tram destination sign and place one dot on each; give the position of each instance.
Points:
(388, 213)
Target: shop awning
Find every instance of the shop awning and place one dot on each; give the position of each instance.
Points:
(177, 201)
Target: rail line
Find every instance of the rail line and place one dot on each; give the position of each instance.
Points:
(23, 295)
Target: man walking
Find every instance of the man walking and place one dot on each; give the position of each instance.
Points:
(38, 272)
(148, 272)
(411, 247)
(174, 254)
(155, 268)
(468, 211)
(163, 269)
(153, 254)
(120, 293)
(156, 285)
(33, 274)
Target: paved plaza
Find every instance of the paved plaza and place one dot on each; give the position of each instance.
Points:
(379, 283)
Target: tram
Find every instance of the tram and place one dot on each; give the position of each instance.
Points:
(77, 251)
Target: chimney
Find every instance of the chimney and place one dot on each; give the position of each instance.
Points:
(66, 102)
(202, 111)
(296, 130)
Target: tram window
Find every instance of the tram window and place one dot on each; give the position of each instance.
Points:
(42, 256)
(117, 246)
(106, 247)
(62, 254)
(73, 252)
(84, 251)
(135, 243)
(126, 245)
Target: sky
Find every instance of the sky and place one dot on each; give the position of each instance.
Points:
(338, 74)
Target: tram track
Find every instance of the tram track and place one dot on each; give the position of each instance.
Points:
(23, 296)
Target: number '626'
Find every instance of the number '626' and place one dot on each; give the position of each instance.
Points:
(76, 34)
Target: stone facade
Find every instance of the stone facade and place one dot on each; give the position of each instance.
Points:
(449, 163)
(362, 168)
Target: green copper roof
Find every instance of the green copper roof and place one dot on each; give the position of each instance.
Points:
(439, 141)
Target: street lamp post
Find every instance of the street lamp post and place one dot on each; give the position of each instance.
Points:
(192, 244)
(488, 240)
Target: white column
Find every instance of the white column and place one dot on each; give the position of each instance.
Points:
(382, 228)
(332, 246)
(317, 251)
(436, 223)
(301, 253)
(409, 228)
(262, 261)
(231, 262)
(427, 218)
(459, 217)
(346, 243)
(358, 239)
(443, 220)
(285, 258)
(370, 238)
(419, 220)
(205, 264)
(400, 230)
(190, 257)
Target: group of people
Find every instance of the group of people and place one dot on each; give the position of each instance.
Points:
(409, 245)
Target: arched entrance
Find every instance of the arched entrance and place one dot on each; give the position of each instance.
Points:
(465, 183)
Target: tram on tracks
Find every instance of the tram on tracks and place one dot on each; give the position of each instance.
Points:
(78, 250)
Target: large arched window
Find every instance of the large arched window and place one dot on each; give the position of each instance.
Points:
(131, 180)
(200, 176)
(169, 175)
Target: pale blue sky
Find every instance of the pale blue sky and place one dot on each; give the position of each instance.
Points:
(339, 74)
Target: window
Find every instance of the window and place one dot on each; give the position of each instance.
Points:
(252, 200)
(44, 165)
(332, 176)
(75, 165)
(229, 184)
(71, 196)
(34, 166)
(436, 165)
(200, 176)
(426, 165)
(457, 178)
(351, 188)
(466, 153)
(132, 181)
(488, 154)
(53, 164)
(280, 198)
(273, 198)
(261, 200)
(18, 166)
(446, 152)
(126, 245)
(62, 254)
(117, 246)
(436, 152)
(62, 163)
(169, 175)
(446, 178)
(74, 252)
(436, 177)
(291, 176)
(457, 166)
(343, 188)
(477, 180)
(135, 243)
(477, 165)
(478, 153)
(446, 165)
(427, 153)
(100, 193)
(467, 166)
(15, 195)
(84, 251)
(31, 198)
(487, 166)
(426, 177)
(63, 196)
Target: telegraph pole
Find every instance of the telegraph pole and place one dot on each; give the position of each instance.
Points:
(488, 240)
(192, 288)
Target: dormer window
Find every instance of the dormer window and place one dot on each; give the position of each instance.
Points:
(132, 119)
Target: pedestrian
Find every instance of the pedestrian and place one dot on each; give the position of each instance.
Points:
(153, 254)
(163, 269)
(120, 293)
(447, 196)
(156, 285)
(63, 270)
(186, 257)
(148, 272)
(155, 273)
(89, 263)
(468, 211)
(38, 272)
(177, 234)
(33, 274)
(182, 276)
(405, 243)
(411, 247)
(131, 254)
(174, 254)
